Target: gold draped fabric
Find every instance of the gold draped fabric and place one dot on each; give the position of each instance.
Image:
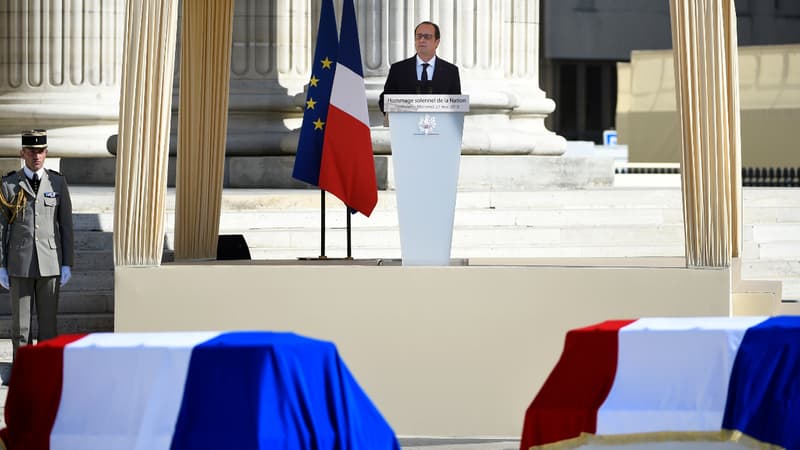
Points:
(144, 129)
(706, 74)
(202, 125)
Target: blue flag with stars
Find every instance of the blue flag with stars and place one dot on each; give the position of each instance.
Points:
(312, 133)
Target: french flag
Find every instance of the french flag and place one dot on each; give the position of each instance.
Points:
(348, 168)
(197, 390)
(733, 382)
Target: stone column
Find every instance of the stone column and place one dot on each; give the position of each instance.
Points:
(272, 47)
(60, 66)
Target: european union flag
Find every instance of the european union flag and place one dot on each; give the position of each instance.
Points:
(312, 133)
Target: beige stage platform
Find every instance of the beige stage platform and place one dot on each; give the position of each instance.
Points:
(442, 351)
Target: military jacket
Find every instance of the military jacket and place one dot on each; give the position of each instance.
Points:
(38, 239)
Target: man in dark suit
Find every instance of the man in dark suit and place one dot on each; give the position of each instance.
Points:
(423, 73)
(36, 240)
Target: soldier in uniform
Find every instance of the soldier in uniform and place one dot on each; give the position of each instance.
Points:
(37, 240)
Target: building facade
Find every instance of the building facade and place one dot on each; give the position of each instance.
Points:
(583, 40)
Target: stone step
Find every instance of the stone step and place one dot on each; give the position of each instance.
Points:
(304, 218)
(73, 302)
(69, 324)
(90, 281)
(87, 281)
(782, 203)
(339, 251)
(791, 288)
(776, 232)
(93, 240)
(93, 221)
(786, 214)
(469, 237)
(90, 260)
(463, 217)
(779, 250)
(758, 269)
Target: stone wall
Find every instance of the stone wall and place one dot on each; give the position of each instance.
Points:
(769, 87)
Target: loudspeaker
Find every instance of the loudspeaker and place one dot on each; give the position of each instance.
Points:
(232, 246)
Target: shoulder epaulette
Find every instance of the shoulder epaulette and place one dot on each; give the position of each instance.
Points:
(54, 172)
(10, 173)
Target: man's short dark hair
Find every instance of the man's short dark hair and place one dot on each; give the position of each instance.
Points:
(436, 34)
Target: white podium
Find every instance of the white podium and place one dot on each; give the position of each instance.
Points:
(426, 150)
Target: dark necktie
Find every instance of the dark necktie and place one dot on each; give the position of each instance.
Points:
(35, 182)
(425, 72)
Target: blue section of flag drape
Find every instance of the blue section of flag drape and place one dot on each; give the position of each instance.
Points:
(764, 390)
(261, 390)
(312, 132)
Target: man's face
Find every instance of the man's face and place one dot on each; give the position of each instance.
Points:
(425, 42)
(34, 157)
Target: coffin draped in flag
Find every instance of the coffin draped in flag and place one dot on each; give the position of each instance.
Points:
(348, 166)
(690, 382)
(315, 116)
(241, 390)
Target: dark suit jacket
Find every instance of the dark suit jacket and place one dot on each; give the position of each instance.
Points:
(402, 79)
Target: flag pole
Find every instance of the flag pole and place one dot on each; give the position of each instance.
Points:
(349, 241)
(322, 224)
(308, 158)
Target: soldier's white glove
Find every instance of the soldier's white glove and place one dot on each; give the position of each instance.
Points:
(4, 277)
(66, 274)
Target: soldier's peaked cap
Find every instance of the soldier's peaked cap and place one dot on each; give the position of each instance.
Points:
(34, 138)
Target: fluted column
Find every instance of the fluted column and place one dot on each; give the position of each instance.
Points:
(60, 66)
(270, 57)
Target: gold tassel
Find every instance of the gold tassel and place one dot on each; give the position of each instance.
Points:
(11, 209)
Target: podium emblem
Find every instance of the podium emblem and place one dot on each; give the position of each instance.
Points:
(427, 124)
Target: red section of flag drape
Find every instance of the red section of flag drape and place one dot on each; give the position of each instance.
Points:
(568, 402)
(35, 402)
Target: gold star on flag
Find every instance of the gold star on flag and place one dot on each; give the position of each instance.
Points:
(314, 81)
(326, 63)
(318, 124)
(310, 103)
